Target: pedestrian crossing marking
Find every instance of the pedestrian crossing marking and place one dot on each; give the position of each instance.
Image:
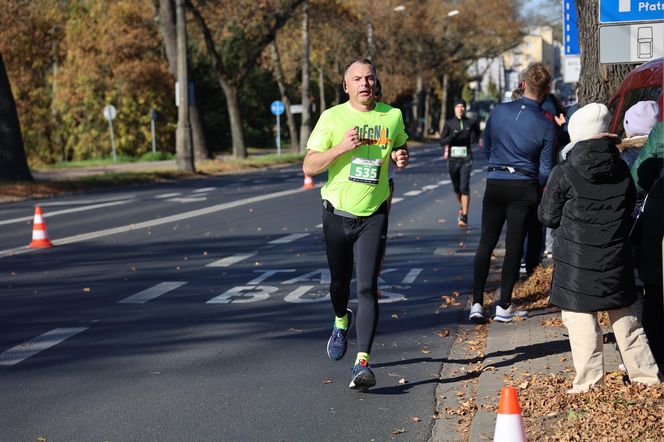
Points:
(289, 238)
(230, 260)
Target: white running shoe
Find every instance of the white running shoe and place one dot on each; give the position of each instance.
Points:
(477, 313)
(508, 314)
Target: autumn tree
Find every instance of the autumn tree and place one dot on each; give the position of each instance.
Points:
(13, 164)
(596, 82)
(235, 34)
(165, 14)
(31, 34)
(113, 57)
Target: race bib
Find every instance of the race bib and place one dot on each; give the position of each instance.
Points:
(365, 170)
(458, 151)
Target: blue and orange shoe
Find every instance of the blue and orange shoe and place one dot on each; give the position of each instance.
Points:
(338, 342)
(363, 376)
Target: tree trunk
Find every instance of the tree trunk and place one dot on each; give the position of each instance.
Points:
(305, 128)
(13, 164)
(184, 158)
(337, 95)
(417, 96)
(427, 113)
(235, 115)
(321, 89)
(279, 77)
(443, 103)
(165, 11)
(596, 82)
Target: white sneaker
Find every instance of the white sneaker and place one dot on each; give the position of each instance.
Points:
(477, 313)
(508, 314)
(522, 268)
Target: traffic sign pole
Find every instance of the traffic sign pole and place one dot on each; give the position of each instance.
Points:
(278, 135)
(110, 126)
(277, 108)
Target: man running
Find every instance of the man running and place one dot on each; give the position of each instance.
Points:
(354, 142)
(458, 134)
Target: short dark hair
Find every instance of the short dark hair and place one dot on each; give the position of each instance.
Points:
(537, 77)
(460, 101)
(361, 60)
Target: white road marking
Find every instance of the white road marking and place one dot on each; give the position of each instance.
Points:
(244, 294)
(266, 274)
(168, 195)
(413, 193)
(188, 199)
(411, 276)
(320, 226)
(156, 222)
(150, 293)
(476, 171)
(42, 342)
(84, 202)
(444, 182)
(394, 201)
(289, 238)
(430, 187)
(62, 212)
(204, 189)
(230, 260)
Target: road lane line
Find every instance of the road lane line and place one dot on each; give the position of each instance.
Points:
(233, 259)
(188, 199)
(168, 195)
(411, 276)
(204, 189)
(430, 187)
(289, 238)
(413, 193)
(394, 201)
(85, 202)
(444, 182)
(62, 212)
(157, 222)
(35, 345)
(150, 293)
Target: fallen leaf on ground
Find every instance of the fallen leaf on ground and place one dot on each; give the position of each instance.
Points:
(403, 381)
(400, 431)
(295, 330)
(443, 333)
(327, 381)
(416, 419)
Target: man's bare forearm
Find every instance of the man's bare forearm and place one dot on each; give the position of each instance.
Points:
(317, 162)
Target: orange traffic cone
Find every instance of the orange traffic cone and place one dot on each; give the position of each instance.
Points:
(308, 182)
(39, 235)
(509, 422)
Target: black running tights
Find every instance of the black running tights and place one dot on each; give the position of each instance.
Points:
(360, 241)
(504, 200)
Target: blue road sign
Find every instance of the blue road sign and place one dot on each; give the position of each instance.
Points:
(277, 107)
(570, 29)
(620, 11)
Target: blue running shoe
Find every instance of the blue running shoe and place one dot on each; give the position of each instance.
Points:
(336, 345)
(363, 377)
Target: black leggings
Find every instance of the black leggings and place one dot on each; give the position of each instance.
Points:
(361, 241)
(504, 200)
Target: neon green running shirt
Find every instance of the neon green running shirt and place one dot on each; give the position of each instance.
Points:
(361, 187)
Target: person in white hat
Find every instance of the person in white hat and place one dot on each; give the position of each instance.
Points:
(638, 122)
(589, 199)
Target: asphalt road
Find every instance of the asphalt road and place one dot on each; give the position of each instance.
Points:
(198, 310)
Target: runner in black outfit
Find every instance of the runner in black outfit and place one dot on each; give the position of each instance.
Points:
(458, 134)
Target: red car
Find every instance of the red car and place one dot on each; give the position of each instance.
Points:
(642, 84)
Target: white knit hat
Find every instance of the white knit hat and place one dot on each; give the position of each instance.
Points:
(590, 120)
(640, 118)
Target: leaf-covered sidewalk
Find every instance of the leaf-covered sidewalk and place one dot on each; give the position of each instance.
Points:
(534, 356)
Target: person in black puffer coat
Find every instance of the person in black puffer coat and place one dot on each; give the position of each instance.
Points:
(589, 200)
